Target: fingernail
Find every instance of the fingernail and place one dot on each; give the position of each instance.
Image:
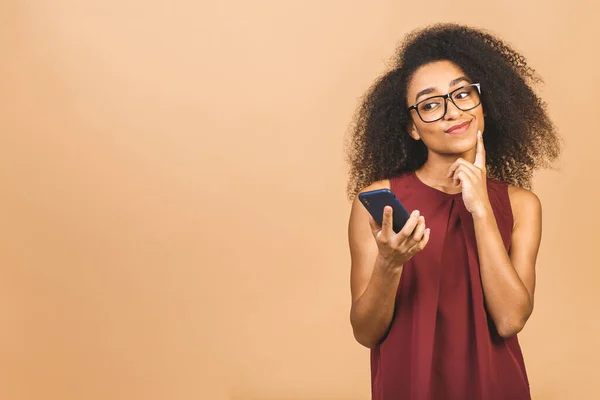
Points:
(417, 213)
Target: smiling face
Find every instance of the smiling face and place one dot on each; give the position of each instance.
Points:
(456, 132)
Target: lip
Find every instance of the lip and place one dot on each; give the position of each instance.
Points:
(459, 128)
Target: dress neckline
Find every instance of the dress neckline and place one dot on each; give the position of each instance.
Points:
(432, 189)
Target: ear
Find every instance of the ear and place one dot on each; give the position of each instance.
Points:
(413, 132)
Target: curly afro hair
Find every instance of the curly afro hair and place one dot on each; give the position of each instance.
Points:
(519, 135)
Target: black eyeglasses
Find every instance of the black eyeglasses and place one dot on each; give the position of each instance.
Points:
(434, 108)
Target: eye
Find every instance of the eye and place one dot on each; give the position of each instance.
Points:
(465, 93)
(429, 105)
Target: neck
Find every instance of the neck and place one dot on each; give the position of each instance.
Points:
(435, 170)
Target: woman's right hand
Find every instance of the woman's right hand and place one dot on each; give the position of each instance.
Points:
(395, 249)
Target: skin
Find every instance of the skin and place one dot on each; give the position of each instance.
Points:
(456, 163)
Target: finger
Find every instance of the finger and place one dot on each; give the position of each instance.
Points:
(459, 177)
(453, 167)
(464, 173)
(480, 154)
(423, 242)
(458, 163)
(456, 177)
(409, 226)
(469, 173)
(417, 234)
(386, 223)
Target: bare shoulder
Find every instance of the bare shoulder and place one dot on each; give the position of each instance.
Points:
(524, 203)
(382, 184)
(526, 235)
(358, 213)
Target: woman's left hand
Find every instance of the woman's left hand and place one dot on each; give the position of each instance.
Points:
(472, 178)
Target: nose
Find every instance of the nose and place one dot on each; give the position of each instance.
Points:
(452, 112)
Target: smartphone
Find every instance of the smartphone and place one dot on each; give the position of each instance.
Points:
(376, 200)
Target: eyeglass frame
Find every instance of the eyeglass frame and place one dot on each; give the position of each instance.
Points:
(445, 97)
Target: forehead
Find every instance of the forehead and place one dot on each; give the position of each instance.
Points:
(437, 75)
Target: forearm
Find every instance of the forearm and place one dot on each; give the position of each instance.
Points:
(372, 313)
(507, 299)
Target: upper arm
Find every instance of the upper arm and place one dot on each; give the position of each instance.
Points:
(526, 235)
(363, 248)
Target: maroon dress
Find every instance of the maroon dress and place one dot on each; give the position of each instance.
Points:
(441, 343)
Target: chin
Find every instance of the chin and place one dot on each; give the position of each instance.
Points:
(458, 149)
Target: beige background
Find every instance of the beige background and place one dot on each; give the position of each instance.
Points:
(172, 194)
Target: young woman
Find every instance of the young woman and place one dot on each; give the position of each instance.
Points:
(455, 131)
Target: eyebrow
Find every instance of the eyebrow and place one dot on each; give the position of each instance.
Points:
(431, 90)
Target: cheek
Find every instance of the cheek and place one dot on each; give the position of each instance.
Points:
(480, 120)
(431, 134)
(433, 129)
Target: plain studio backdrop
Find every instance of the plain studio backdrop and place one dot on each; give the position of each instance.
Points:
(172, 194)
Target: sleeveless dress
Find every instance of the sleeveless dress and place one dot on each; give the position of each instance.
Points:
(441, 344)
